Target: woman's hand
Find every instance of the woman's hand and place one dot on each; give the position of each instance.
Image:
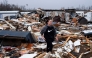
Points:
(56, 38)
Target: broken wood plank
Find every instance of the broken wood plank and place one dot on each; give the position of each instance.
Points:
(66, 41)
(71, 55)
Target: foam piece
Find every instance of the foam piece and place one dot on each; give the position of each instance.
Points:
(28, 56)
(77, 42)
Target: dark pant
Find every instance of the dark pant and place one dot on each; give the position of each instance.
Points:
(49, 45)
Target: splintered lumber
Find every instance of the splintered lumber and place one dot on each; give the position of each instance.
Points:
(41, 55)
(66, 41)
(72, 36)
(47, 55)
(71, 55)
(29, 46)
(90, 44)
(80, 55)
(83, 54)
(87, 52)
(10, 25)
(87, 40)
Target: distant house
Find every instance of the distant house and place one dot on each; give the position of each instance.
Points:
(24, 12)
(11, 14)
(68, 13)
(88, 16)
(80, 13)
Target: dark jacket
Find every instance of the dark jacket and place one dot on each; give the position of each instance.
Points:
(49, 32)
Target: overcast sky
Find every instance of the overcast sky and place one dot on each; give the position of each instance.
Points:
(50, 4)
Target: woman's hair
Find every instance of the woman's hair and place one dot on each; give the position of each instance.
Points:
(47, 19)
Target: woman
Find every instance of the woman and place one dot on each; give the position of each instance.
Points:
(49, 33)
